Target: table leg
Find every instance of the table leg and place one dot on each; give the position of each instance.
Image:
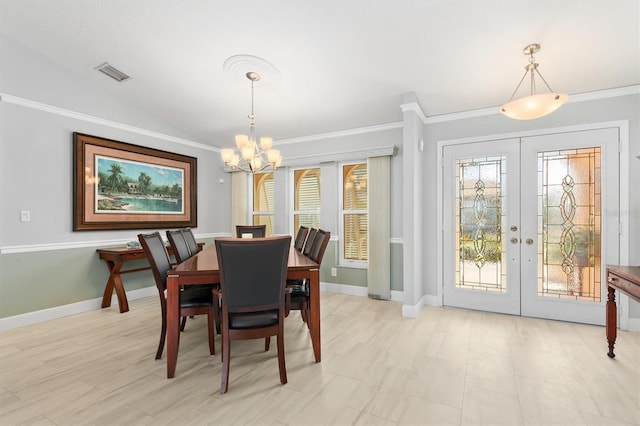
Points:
(115, 282)
(314, 312)
(173, 324)
(612, 319)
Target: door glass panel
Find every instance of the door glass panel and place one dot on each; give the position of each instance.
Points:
(480, 219)
(569, 224)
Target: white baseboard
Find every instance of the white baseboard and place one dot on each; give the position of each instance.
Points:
(633, 324)
(354, 290)
(35, 317)
(412, 311)
(408, 311)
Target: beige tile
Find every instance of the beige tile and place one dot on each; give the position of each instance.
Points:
(484, 406)
(423, 412)
(440, 381)
(448, 366)
(547, 403)
(491, 371)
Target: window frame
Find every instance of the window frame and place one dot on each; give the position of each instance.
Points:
(342, 261)
(294, 212)
(253, 214)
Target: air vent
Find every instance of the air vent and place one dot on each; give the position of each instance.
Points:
(112, 72)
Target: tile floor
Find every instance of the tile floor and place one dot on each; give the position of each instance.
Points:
(447, 367)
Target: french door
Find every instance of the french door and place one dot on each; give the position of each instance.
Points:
(530, 223)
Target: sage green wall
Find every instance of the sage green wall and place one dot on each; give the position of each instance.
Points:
(46, 279)
(356, 276)
(397, 275)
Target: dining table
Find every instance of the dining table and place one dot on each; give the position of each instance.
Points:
(202, 268)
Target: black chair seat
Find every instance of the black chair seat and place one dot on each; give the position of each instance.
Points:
(194, 296)
(298, 289)
(253, 319)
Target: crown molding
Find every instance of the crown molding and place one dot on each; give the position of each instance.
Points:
(579, 97)
(16, 100)
(315, 159)
(411, 106)
(414, 107)
(342, 156)
(341, 133)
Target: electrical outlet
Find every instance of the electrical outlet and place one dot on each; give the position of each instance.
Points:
(334, 272)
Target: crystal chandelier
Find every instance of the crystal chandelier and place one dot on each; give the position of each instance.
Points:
(534, 105)
(253, 157)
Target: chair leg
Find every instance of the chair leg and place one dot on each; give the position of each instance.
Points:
(224, 379)
(216, 318)
(183, 323)
(212, 334)
(163, 334)
(281, 363)
(267, 343)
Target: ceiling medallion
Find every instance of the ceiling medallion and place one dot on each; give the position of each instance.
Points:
(236, 67)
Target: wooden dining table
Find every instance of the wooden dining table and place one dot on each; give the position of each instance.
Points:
(203, 269)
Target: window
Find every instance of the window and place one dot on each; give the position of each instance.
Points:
(263, 201)
(306, 198)
(354, 214)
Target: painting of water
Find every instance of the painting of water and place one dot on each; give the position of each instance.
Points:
(135, 187)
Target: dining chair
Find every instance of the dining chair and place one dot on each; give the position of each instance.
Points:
(308, 245)
(256, 231)
(182, 251)
(252, 291)
(301, 236)
(179, 245)
(187, 233)
(298, 299)
(193, 299)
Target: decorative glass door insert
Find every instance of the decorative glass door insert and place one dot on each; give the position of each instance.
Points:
(570, 224)
(480, 224)
(481, 216)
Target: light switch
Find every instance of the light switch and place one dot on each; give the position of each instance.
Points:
(25, 216)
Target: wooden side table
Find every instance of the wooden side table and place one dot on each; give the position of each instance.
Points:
(625, 279)
(115, 259)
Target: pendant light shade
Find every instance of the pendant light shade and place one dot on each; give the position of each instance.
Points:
(535, 105)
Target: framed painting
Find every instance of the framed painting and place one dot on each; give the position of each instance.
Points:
(118, 185)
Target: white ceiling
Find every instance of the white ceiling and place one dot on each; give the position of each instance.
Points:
(342, 64)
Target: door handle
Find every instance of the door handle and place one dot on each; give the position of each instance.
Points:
(529, 241)
(514, 241)
(514, 228)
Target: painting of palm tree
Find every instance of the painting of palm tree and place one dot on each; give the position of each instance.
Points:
(136, 187)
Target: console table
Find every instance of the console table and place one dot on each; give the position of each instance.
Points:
(625, 279)
(115, 259)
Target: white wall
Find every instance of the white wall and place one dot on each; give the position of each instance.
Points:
(43, 263)
(42, 106)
